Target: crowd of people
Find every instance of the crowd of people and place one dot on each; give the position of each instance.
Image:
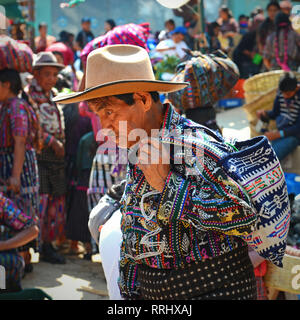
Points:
(56, 180)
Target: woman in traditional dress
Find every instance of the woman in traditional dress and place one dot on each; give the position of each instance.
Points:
(282, 50)
(19, 140)
(21, 229)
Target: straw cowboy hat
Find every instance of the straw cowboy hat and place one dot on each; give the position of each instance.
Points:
(46, 59)
(119, 69)
(173, 4)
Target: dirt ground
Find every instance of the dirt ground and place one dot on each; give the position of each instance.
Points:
(68, 281)
(65, 282)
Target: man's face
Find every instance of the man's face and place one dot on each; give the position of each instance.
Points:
(169, 26)
(272, 11)
(216, 31)
(286, 10)
(46, 77)
(4, 90)
(43, 31)
(177, 37)
(289, 94)
(86, 26)
(132, 118)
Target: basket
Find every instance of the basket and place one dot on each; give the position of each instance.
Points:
(260, 93)
(262, 83)
(287, 278)
(262, 102)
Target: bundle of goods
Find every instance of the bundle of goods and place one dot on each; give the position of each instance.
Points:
(15, 55)
(134, 34)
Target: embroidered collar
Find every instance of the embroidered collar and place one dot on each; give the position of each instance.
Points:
(38, 88)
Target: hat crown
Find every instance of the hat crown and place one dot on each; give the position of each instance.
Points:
(118, 63)
(45, 58)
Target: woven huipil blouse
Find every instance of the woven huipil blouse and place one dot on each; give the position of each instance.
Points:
(201, 212)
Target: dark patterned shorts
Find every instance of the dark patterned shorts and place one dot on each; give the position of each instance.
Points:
(227, 277)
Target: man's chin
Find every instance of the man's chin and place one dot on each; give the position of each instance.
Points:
(122, 142)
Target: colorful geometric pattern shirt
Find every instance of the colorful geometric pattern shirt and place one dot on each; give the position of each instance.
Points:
(12, 218)
(16, 118)
(201, 212)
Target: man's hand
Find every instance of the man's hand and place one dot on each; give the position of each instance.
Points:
(58, 148)
(272, 135)
(261, 113)
(154, 161)
(14, 184)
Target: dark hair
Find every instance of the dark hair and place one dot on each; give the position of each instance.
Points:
(43, 24)
(170, 21)
(273, 3)
(64, 36)
(58, 53)
(111, 22)
(211, 27)
(243, 16)
(288, 82)
(12, 76)
(127, 98)
(224, 8)
(282, 21)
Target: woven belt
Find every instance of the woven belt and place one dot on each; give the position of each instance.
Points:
(199, 278)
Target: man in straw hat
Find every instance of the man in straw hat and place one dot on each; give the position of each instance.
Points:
(51, 159)
(182, 216)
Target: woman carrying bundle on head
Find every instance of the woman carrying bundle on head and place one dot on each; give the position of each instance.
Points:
(282, 50)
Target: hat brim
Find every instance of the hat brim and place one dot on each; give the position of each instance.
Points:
(120, 87)
(40, 65)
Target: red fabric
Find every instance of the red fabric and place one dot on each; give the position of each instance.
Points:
(261, 270)
(15, 55)
(134, 34)
(65, 50)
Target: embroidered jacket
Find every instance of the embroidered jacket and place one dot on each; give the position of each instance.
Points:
(50, 115)
(201, 212)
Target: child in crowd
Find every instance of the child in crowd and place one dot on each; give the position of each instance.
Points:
(286, 112)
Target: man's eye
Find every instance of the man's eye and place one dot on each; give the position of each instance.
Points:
(108, 112)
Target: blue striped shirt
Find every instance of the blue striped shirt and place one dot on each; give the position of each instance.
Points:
(286, 112)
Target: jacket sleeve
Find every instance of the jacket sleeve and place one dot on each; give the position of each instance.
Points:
(215, 202)
(274, 113)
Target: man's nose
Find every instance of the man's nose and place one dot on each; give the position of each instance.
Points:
(106, 123)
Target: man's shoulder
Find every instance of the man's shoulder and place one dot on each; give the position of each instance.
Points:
(79, 34)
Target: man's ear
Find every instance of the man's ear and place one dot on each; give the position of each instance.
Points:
(35, 72)
(145, 98)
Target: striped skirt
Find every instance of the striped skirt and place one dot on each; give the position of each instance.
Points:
(52, 217)
(28, 198)
(14, 270)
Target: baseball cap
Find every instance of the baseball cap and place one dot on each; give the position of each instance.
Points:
(181, 30)
(85, 19)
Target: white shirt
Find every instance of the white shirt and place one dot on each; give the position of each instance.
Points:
(176, 49)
